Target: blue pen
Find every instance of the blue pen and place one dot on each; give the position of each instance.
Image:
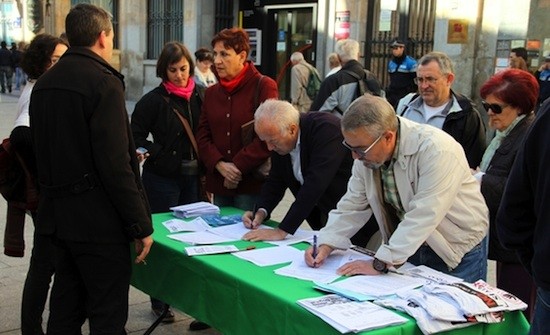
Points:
(314, 254)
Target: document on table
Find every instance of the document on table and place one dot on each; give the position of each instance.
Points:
(350, 316)
(178, 225)
(201, 237)
(364, 287)
(210, 249)
(195, 209)
(271, 255)
(323, 274)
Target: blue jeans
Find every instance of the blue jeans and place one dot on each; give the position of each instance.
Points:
(164, 192)
(245, 202)
(471, 268)
(541, 321)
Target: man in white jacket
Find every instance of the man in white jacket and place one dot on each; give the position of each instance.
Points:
(416, 181)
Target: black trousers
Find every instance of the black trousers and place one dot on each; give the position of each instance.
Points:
(37, 285)
(91, 281)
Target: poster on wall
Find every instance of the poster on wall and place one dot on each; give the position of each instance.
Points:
(255, 37)
(342, 26)
(457, 31)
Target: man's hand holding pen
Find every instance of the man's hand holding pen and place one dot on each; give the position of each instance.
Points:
(322, 252)
(253, 219)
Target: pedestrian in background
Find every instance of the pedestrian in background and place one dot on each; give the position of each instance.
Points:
(92, 202)
(204, 77)
(228, 106)
(299, 79)
(16, 55)
(438, 105)
(43, 52)
(402, 71)
(543, 77)
(6, 67)
(171, 171)
(333, 64)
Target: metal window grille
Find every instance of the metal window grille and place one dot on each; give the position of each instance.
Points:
(164, 24)
(224, 15)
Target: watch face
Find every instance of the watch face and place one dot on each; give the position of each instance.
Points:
(378, 265)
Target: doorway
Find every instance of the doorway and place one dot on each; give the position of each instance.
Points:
(291, 28)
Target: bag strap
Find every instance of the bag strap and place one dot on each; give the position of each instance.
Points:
(186, 126)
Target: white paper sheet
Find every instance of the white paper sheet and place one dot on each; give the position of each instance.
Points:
(300, 235)
(178, 225)
(201, 237)
(210, 249)
(271, 255)
(234, 231)
(350, 316)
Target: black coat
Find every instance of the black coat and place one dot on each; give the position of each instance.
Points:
(494, 181)
(524, 213)
(326, 169)
(155, 115)
(80, 127)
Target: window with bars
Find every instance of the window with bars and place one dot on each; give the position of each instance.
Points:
(164, 24)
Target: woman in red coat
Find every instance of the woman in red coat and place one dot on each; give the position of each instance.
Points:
(227, 106)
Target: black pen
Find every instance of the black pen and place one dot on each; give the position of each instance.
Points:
(254, 210)
(314, 252)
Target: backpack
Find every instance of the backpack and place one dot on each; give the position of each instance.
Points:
(313, 83)
(367, 84)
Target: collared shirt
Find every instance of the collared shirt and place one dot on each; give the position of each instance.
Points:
(391, 193)
(296, 162)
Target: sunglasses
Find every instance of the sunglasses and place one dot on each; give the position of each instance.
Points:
(359, 152)
(496, 108)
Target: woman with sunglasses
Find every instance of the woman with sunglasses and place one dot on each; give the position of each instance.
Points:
(509, 98)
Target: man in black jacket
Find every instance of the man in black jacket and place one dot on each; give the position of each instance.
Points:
(338, 91)
(436, 104)
(92, 202)
(523, 219)
(309, 159)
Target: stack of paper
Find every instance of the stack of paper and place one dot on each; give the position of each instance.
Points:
(195, 209)
(347, 316)
(442, 307)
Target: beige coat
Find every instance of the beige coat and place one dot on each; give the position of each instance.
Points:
(442, 200)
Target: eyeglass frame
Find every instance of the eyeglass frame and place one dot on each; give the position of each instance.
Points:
(495, 108)
(428, 80)
(359, 152)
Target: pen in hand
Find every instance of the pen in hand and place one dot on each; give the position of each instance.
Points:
(254, 210)
(314, 252)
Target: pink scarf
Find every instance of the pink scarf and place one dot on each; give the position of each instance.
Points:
(184, 92)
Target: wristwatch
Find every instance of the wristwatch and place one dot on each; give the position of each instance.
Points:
(379, 266)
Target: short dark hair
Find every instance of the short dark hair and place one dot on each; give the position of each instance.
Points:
(37, 57)
(235, 38)
(520, 52)
(171, 53)
(203, 54)
(84, 23)
(515, 87)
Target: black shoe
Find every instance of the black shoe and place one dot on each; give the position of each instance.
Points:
(9, 89)
(169, 318)
(197, 325)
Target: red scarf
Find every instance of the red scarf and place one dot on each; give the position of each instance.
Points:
(230, 85)
(184, 92)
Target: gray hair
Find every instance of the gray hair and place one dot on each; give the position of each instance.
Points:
(347, 50)
(296, 57)
(373, 113)
(277, 112)
(444, 62)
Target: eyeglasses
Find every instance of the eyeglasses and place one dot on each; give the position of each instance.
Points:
(496, 108)
(359, 152)
(428, 80)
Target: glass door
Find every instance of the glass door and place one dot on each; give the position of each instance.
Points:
(294, 29)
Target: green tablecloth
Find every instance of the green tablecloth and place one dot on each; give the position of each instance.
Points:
(238, 297)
